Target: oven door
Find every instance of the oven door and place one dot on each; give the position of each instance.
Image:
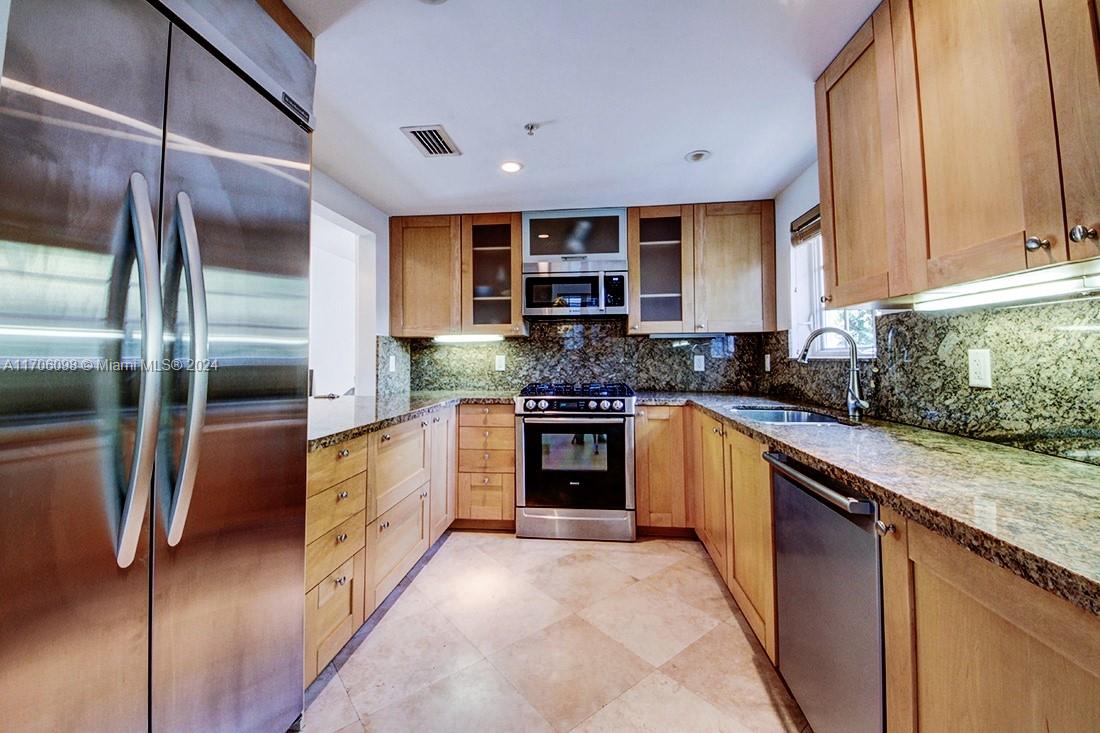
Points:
(577, 463)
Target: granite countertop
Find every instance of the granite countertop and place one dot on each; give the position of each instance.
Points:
(1034, 514)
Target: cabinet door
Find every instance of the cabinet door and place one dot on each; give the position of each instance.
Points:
(490, 496)
(425, 275)
(859, 168)
(394, 543)
(712, 472)
(971, 646)
(661, 255)
(984, 124)
(398, 462)
(334, 611)
(444, 468)
(492, 251)
(1072, 42)
(659, 466)
(735, 267)
(753, 579)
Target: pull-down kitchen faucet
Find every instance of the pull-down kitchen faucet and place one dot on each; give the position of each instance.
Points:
(856, 403)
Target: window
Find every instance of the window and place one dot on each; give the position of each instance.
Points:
(807, 309)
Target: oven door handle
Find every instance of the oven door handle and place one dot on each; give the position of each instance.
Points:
(582, 420)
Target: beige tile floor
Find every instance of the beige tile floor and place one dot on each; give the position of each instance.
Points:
(494, 633)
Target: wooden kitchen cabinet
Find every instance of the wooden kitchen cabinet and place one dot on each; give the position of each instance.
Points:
(661, 491)
(492, 255)
(859, 169)
(752, 566)
(734, 267)
(486, 466)
(444, 472)
(661, 256)
(398, 463)
(972, 647)
(395, 541)
(487, 496)
(333, 612)
(984, 176)
(425, 275)
(328, 466)
(714, 528)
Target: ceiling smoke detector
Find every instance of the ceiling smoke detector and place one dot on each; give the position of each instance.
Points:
(432, 141)
(697, 156)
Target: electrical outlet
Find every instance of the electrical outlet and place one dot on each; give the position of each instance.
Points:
(700, 362)
(393, 363)
(981, 369)
(499, 363)
(767, 362)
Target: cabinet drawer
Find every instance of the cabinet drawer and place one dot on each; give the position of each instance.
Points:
(481, 438)
(333, 612)
(333, 548)
(399, 462)
(329, 466)
(500, 416)
(395, 541)
(332, 506)
(486, 461)
(486, 496)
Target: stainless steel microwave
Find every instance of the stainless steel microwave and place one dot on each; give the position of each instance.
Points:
(575, 294)
(577, 240)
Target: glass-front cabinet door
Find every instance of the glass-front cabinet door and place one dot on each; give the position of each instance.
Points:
(491, 285)
(662, 269)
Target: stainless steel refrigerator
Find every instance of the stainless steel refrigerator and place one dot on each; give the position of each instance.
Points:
(154, 226)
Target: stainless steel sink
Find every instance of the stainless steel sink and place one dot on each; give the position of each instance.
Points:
(779, 415)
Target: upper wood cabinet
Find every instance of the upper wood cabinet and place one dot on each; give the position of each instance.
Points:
(662, 499)
(492, 251)
(661, 253)
(1073, 37)
(859, 168)
(978, 138)
(735, 267)
(425, 277)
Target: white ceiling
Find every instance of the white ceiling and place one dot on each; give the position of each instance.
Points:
(622, 89)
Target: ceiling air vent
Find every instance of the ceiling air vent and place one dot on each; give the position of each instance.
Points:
(432, 140)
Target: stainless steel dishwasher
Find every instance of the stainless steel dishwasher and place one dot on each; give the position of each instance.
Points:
(828, 599)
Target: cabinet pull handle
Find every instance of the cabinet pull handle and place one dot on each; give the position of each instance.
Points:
(386, 436)
(486, 433)
(344, 453)
(1081, 232)
(341, 580)
(435, 419)
(882, 528)
(485, 480)
(423, 423)
(342, 537)
(634, 327)
(484, 410)
(341, 496)
(486, 457)
(1034, 244)
(826, 299)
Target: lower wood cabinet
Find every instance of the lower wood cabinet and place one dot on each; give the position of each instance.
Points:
(444, 473)
(395, 541)
(971, 646)
(333, 613)
(661, 489)
(333, 548)
(335, 505)
(398, 462)
(486, 464)
(710, 472)
(489, 496)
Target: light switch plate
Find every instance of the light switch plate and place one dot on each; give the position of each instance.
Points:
(499, 363)
(393, 363)
(981, 369)
(700, 362)
(767, 362)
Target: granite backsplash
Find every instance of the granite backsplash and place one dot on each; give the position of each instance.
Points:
(1046, 393)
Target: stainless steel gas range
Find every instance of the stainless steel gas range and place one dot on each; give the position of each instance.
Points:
(575, 462)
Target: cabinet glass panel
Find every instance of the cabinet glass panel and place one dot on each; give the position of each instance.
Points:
(659, 264)
(492, 273)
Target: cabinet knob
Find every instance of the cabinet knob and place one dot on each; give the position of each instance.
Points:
(484, 410)
(343, 579)
(486, 433)
(700, 326)
(485, 480)
(344, 453)
(1034, 244)
(341, 496)
(342, 537)
(826, 299)
(1081, 232)
(423, 423)
(485, 456)
(634, 327)
(386, 436)
(882, 528)
(435, 419)
(515, 329)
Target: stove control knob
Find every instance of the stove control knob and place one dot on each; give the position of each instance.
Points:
(617, 404)
(543, 404)
(592, 405)
(530, 404)
(605, 405)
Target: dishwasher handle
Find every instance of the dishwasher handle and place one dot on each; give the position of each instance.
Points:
(849, 504)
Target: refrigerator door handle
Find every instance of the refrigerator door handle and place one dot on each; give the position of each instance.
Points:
(152, 340)
(199, 377)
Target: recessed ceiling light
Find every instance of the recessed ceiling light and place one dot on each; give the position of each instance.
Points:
(696, 156)
(511, 166)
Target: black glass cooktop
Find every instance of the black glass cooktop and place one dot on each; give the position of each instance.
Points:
(563, 389)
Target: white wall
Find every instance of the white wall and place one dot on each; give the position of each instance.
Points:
(792, 202)
(333, 306)
(336, 203)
